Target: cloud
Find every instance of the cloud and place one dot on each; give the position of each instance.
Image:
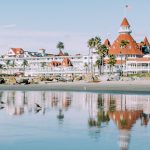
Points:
(8, 26)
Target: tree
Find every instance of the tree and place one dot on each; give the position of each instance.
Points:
(60, 46)
(86, 66)
(8, 62)
(66, 54)
(13, 63)
(25, 64)
(94, 66)
(92, 44)
(112, 62)
(43, 64)
(123, 44)
(98, 63)
(102, 51)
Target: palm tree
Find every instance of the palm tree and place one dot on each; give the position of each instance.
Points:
(123, 44)
(94, 66)
(112, 62)
(92, 44)
(43, 64)
(102, 51)
(8, 63)
(24, 64)
(13, 63)
(66, 53)
(98, 63)
(86, 66)
(60, 46)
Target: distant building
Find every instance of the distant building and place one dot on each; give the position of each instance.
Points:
(15, 52)
(145, 46)
(107, 43)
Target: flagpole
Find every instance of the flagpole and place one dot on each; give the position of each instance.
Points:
(125, 10)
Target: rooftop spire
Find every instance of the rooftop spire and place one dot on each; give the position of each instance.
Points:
(125, 26)
(146, 42)
(125, 22)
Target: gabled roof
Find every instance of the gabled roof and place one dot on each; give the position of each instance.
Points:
(107, 43)
(66, 62)
(131, 48)
(125, 22)
(55, 63)
(17, 50)
(146, 42)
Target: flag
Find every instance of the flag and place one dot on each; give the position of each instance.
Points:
(128, 7)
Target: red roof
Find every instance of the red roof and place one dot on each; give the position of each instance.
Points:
(146, 42)
(66, 62)
(125, 22)
(107, 43)
(55, 63)
(17, 50)
(131, 48)
(125, 119)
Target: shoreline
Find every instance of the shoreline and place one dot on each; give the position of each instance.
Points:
(142, 87)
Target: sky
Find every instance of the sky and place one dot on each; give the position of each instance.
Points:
(35, 24)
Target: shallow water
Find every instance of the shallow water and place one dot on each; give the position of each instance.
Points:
(73, 121)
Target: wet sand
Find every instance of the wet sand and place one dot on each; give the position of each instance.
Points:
(108, 87)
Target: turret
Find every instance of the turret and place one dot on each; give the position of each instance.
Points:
(125, 27)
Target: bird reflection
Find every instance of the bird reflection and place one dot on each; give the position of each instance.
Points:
(2, 104)
(38, 108)
(2, 107)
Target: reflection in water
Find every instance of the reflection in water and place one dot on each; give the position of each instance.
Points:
(123, 110)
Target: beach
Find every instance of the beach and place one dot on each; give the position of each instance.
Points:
(141, 86)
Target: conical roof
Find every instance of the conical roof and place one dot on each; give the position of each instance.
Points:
(125, 22)
(146, 42)
(107, 43)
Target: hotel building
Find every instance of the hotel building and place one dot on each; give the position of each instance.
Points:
(134, 58)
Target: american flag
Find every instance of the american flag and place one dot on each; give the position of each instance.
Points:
(128, 7)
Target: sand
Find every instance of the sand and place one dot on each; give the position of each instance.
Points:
(107, 86)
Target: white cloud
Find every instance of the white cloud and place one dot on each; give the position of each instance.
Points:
(8, 26)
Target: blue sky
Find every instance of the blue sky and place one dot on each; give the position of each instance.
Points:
(34, 24)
